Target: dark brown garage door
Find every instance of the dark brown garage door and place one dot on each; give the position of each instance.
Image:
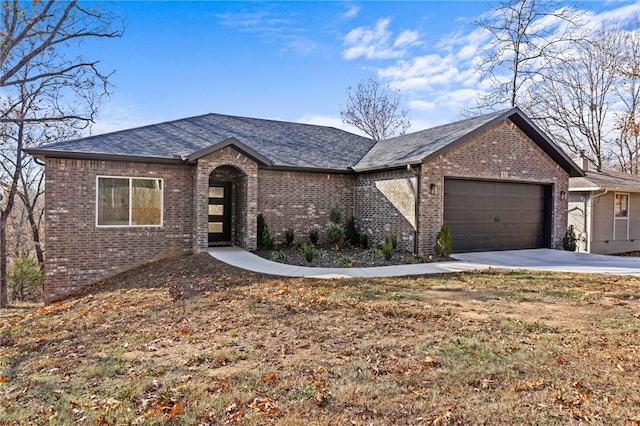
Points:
(486, 215)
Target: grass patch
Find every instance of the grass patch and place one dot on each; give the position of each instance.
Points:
(190, 342)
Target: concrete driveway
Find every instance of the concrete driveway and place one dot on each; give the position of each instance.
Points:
(539, 259)
(554, 260)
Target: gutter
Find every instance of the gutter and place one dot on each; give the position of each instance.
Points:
(590, 224)
(416, 207)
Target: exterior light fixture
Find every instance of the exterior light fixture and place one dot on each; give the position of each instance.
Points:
(433, 189)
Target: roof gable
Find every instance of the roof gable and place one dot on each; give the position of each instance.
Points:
(420, 146)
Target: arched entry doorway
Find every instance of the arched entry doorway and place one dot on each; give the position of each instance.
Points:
(227, 206)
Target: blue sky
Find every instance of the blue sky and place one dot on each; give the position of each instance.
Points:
(293, 61)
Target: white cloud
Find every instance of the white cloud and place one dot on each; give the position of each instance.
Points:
(330, 121)
(351, 12)
(420, 105)
(378, 42)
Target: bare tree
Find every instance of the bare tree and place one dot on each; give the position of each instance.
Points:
(526, 36)
(575, 103)
(375, 109)
(628, 93)
(47, 86)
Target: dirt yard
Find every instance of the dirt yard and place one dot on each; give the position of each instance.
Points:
(193, 341)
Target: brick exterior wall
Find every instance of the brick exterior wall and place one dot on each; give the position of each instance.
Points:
(503, 148)
(377, 216)
(79, 253)
(243, 173)
(302, 200)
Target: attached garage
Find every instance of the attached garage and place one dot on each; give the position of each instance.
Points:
(485, 215)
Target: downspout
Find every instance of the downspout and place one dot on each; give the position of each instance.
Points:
(591, 198)
(416, 194)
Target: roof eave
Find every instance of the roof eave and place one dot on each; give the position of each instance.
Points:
(399, 165)
(43, 154)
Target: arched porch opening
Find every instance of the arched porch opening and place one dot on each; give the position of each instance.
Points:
(227, 207)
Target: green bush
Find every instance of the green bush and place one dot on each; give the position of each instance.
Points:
(334, 235)
(25, 279)
(309, 251)
(352, 236)
(268, 239)
(443, 241)
(393, 238)
(289, 235)
(262, 225)
(570, 241)
(364, 241)
(373, 253)
(278, 256)
(335, 215)
(387, 249)
(313, 235)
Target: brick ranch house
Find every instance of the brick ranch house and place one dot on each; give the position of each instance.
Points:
(119, 200)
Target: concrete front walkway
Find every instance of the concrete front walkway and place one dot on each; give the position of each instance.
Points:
(539, 259)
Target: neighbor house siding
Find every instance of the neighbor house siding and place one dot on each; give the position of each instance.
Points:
(301, 200)
(610, 233)
(385, 203)
(577, 216)
(78, 252)
(502, 153)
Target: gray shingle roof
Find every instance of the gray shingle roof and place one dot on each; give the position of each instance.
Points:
(285, 144)
(418, 147)
(415, 147)
(282, 143)
(601, 180)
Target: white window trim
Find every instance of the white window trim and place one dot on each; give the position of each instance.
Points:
(131, 178)
(621, 218)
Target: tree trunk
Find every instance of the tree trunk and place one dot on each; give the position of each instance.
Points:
(4, 296)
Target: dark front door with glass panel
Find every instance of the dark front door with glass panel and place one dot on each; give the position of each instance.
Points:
(219, 212)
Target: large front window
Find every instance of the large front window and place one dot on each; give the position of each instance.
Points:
(129, 201)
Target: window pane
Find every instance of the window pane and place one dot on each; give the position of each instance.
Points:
(216, 192)
(113, 201)
(622, 203)
(216, 209)
(146, 201)
(215, 227)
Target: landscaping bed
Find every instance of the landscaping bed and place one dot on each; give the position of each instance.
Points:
(327, 257)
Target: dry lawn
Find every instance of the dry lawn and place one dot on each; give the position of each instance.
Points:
(192, 341)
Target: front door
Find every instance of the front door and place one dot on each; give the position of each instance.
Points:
(219, 212)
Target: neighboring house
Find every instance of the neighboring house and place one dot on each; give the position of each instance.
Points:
(119, 200)
(604, 209)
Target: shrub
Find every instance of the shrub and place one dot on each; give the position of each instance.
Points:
(25, 278)
(309, 251)
(268, 239)
(262, 224)
(364, 241)
(334, 234)
(346, 260)
(313, 235)
(443, 241)
(387, 249)
(335, 214)
(393, 238)
(289, 235)
(352, 236)
(373, 253)
(278, 256)
(569, 241)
